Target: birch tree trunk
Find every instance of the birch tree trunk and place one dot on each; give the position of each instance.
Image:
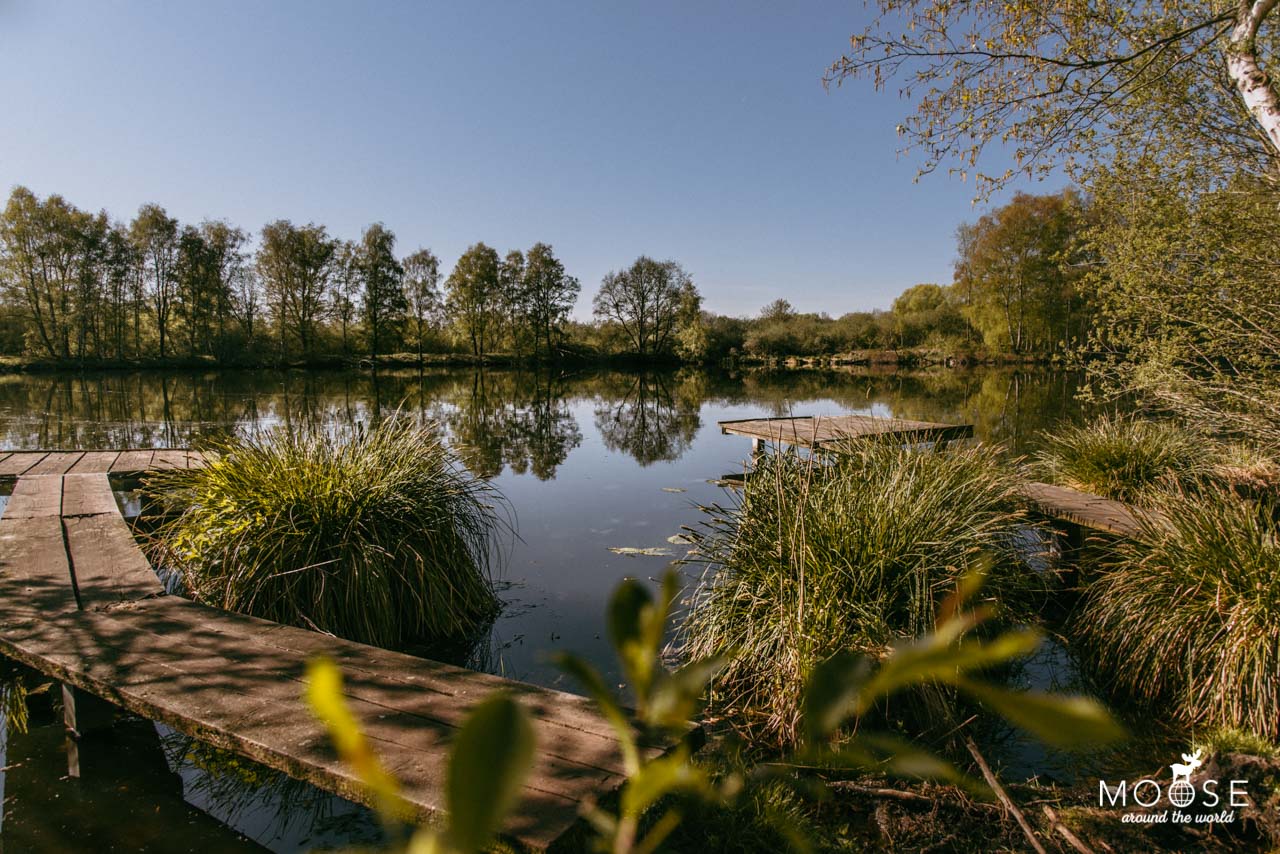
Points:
(1255, 86)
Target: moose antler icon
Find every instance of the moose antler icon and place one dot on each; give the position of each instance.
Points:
(1183, 772)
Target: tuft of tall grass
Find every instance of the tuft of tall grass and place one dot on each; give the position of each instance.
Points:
(1125, 458)
(1187, 614)
(848, 552)
(376, 534)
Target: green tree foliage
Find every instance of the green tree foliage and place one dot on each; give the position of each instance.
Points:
(50, 253)
(295, 263)
(155, 238)
(210, 259)
(1018, 274)
(345, 301)
(228, 269)
(422, 295)
(512, 297)
(118, 296)
(475, 299)
(795, 334)
(692, 342)
(76, 286)
(644, 301)
(384, 301)
(1072, 81)
(928, 313)
(1188, 281)
(548, 295)
(779, 309)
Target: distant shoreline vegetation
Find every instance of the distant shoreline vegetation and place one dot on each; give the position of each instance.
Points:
(85, 291)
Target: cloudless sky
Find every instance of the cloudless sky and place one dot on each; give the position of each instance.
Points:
(698, 131)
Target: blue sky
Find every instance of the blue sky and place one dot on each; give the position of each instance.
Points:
(698, 131)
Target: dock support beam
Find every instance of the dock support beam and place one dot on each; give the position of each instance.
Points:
(82, 714)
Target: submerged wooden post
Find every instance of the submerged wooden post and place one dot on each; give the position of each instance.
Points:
(82, 714)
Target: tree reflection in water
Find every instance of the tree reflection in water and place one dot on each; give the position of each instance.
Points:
(523, 420)
(653, 417)
(270, 807)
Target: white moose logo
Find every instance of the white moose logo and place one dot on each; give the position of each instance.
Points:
(1183, 772)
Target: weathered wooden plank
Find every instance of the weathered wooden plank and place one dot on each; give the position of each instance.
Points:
(34, 497)
(56, 462)
(179, 616)
(133, 462)
(169, 459)
(1084, 509)
(106, 562)
(35, 578)
(810, 431)
(87, 495)
(94, 462)
(219, 698)
(18, 462)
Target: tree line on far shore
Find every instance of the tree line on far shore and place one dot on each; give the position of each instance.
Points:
(82, 287)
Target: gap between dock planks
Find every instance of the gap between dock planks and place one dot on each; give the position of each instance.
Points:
(82, 604)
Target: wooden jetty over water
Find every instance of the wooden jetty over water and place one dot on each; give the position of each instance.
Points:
(80, 602)
(810, 431)
(1060, 503)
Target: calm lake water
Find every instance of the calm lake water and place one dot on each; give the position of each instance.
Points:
(587, 461)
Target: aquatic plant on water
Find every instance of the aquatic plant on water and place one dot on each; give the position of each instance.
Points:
(848, 553)
(1186, 615)
(1125, 458)
(376, 534)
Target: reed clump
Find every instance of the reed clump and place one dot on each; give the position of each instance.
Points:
(1125, 458)
(851, 551)
(1186, 615)
(376, 534)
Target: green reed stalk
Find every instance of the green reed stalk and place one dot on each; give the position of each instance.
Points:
(1187, 614)
(851, 552)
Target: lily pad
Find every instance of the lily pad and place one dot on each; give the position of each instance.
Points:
(635, 552)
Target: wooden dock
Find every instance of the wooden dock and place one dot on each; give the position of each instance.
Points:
(15, 464)
(1084, 509)
(1060, 503)
(81, 604)
(811, 431)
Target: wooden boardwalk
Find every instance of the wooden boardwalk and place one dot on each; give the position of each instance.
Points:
(1084, 509)
(814, 431)
(15, 464)
(80, 603)
(1056, 502)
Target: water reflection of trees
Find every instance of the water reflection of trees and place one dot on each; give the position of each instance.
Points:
(1005, 405)
(516, 419)
(651, 416)
(513, 418)
(523, 420)
(269, 806)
